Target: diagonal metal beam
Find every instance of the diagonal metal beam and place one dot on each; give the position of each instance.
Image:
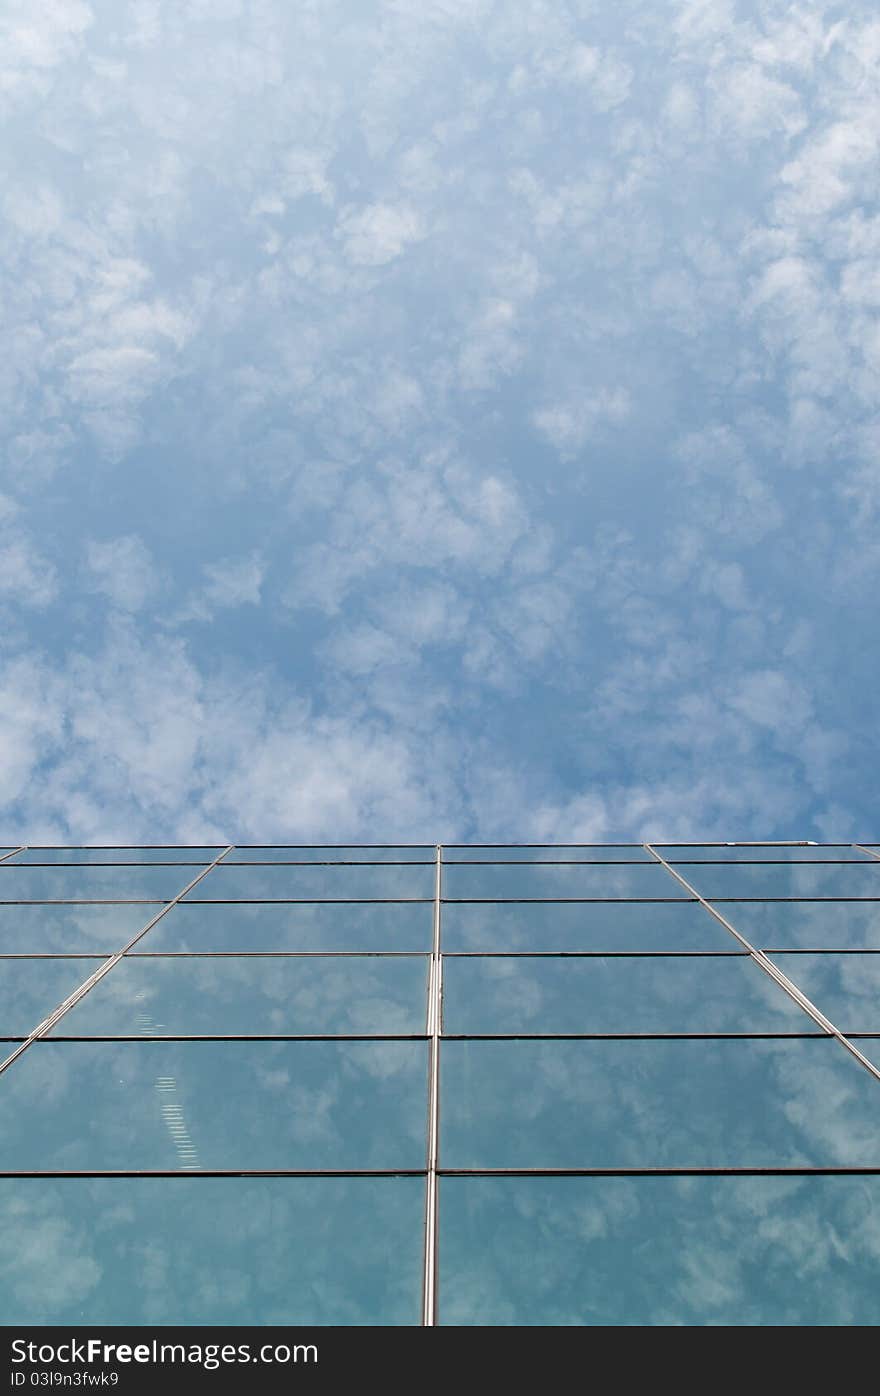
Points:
(786, 984)
(48, 1023)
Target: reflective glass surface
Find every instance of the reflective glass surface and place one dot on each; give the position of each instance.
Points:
(785, 880)
(497, 881)
(229, 1251)
(293, 926)
(545, 853)
(71, 929)
(31, 989)
(120, 854)
(594, 1016)
(623, 994)
(261, 994)
(333, 853)
(94, 884)
(846, 988)
(806, 925)
(676, 1104)
(343, 881)
(682, 925)
(652, 1251)
(190, 1105)
(760, 853)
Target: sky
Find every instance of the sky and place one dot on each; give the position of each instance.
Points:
(439, 422)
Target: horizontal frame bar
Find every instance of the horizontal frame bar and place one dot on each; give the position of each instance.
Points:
(215, 1173)
(219, 954)
(694, 1172)
(447, 954)
(445, 1037)
(803, 1172)
(233, 1037)
(633, 1036)
(424, 901)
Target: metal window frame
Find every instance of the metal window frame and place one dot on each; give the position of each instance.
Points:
(769, 968)
(434, 1035)
(49, 1022)
(430, 1269)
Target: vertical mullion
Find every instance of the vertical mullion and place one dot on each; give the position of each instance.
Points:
(109, 963)
(435, 991)
(769, 968)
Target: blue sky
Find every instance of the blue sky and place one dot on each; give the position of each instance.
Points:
(451, 421)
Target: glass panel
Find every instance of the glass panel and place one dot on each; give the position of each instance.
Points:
(156, 997)
(497, 881)
(545, 853)
(293, 926)
(846, 988)
(31, 989)
(331, 883)
(659, 994)
(581, 926)
(70, 929)
(675, 1104)
(91, 884)
(190, 1105)
(229, 1251)
(808, 925)
(659, 1251)
(120, 854)
(333, 853)
(760, 853)
(713, 880)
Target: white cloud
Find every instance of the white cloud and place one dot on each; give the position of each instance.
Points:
(234, 581)
(431, 513)
(25, 576)
(569, 425)
(123, 570)
(378, 234)
(229, 583)
(32, 43)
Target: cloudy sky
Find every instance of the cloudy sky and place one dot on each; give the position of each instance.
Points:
(439, 421)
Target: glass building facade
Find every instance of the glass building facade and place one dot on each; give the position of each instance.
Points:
(463, 1085)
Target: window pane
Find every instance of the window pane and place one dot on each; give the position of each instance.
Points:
(758, 853)
(342, 882)
(91, 884)
(789, 880)
(156, 997)
(190, 1105)
(672, 1104)
(652, 1251)
(497, 881)
(806, 925)
(333, 853)
(32, 989)
(70, 929)
(684, 925)
(120, 854)
(659, 994)
(230, 1251)
(846, 988)
(293, 926)
(545, 853)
